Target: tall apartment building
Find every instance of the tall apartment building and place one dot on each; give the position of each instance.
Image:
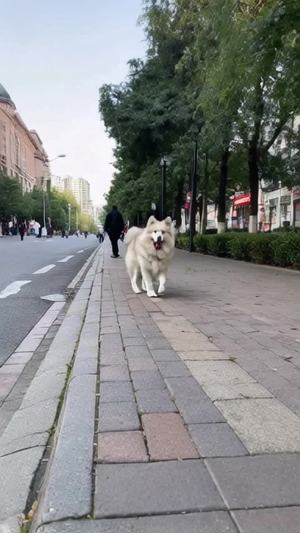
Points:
(80, 188)
(22, 154)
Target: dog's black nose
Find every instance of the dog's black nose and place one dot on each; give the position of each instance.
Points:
(159, 239)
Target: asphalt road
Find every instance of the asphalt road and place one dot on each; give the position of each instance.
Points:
(19, 262)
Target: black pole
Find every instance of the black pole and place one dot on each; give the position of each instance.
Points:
(193, 199)
(163, 190)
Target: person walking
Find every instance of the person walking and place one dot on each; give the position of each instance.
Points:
(101, 234)
(114, 225)
(22, 230)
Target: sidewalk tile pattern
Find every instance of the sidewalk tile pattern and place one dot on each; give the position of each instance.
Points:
(167, 437)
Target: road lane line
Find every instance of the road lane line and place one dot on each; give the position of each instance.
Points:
(13, 288)
(80, 251)
(44, 269)
(65, 259)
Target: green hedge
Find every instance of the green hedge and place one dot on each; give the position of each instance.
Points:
(281, 249)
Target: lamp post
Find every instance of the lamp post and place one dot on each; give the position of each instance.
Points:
(69, 208)
(193, 198)
(164, 163)
(163, 166)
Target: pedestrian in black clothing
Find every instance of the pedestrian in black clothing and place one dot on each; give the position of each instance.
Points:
(22, 230)
(114, 225)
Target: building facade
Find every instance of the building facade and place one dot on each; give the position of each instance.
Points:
(81, 190)
(22, 155)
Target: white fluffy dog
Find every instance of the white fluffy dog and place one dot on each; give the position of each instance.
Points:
(148, 254)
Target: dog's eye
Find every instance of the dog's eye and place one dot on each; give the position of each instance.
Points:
(163, 232)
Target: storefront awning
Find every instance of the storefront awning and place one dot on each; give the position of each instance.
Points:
(242, 200)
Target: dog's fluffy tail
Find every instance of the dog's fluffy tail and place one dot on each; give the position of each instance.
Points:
(131, 234)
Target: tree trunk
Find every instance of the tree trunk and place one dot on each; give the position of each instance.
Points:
(203, 222)
(222, 191)
(253, 158)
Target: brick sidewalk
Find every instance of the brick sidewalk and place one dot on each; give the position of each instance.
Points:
(196, 430)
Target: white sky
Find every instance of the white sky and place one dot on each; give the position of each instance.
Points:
(54, 56)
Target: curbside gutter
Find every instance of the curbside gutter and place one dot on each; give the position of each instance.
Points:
(67, 484)
(23, 442)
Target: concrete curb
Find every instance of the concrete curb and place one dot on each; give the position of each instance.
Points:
(67, 485)
(23, 442)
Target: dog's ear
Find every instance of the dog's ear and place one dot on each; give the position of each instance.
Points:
(168, 221)
(151, 220)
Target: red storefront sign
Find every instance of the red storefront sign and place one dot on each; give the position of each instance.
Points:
(242, 200)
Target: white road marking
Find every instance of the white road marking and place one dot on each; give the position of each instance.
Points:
(44, 269)
(13, 288)
(80, 251)
(65, 259)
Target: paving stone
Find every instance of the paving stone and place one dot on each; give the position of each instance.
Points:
(122, 447)
(111, 343)
(197, 410)
(208, 522)
(118, 417)
(154, 488)
(185, 387)
(276, 520)
(133, 341)
(37, 418)
(148, 379)
(164, 355)
(192, 341)
(116, 391)
(114, 373)
(167, 438)
(7, 382)
(233, 391)
(19, 358)
(112, 359)
(263, 425)
(69, 478)
(203, 355)
(260, 481)
(158, 402)
(212, 372)
(173, 369)
(137, 351)
(216, 440)
(141, 363)
(156, 342)
(19, 466)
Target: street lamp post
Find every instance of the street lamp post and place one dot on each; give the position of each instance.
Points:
(69, 207)
(193, 198)
(163, 166)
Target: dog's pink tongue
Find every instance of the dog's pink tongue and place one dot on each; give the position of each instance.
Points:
(157, 245)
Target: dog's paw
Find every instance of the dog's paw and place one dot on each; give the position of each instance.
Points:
(136, 289)
(151, 294)
(161, 291)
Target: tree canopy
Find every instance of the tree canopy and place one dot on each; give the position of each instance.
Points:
(225, 72)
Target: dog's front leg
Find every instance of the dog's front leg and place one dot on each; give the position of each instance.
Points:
(162, 282)
(134, 282)
(148, 283)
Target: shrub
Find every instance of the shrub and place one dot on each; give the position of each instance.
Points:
(239, 247)
(261, 249)
(282, 248)
(200, 242)
(183, 241)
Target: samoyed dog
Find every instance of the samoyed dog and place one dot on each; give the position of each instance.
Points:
(148, 255)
